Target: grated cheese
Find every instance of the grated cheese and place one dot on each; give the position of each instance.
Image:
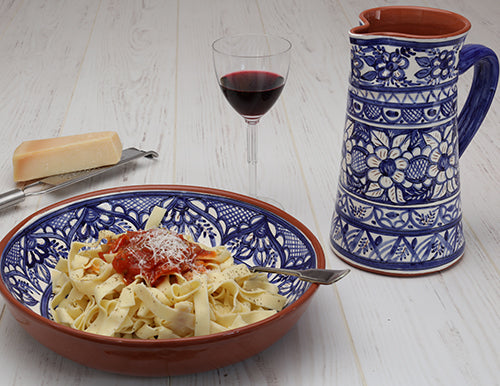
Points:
(159, 250)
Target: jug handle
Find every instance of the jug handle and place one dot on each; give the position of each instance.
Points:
(482, 90)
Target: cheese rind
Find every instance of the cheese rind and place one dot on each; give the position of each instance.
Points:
(46, 157)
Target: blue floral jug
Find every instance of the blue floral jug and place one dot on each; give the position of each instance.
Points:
(398, 209)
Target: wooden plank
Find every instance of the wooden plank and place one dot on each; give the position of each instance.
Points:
(128, 84)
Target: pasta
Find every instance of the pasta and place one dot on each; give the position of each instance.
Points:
(180, 289)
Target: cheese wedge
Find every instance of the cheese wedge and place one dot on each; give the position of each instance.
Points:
(46, 157)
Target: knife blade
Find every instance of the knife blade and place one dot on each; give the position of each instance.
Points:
(60, 181)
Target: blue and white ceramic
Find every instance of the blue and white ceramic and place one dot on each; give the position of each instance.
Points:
(255, 232)
(254, 236)
(398, 207)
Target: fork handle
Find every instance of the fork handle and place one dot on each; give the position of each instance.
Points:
(11, 197)
(319, 276)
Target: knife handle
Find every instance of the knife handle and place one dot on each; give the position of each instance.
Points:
(11, 197)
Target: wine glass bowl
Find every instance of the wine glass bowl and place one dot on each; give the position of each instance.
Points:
(251, 71)
(252, 93)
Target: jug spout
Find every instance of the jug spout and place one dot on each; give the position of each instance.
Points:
(411, 22)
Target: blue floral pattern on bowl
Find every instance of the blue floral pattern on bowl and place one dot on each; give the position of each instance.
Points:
(254, 236)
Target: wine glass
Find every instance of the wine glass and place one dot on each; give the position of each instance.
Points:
(251, 70)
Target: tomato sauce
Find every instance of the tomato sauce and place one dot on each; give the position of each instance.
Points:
(155, 254)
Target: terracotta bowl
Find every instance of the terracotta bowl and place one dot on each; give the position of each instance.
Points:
(256, 234)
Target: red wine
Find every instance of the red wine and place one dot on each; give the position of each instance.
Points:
(252, 93)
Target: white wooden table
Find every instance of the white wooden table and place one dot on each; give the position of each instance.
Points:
(144, 69)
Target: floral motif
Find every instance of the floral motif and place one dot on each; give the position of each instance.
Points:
(404, 66)
(354, 161)
(387, 167)
(388, 67)
(439, 66)
(417, 170)
(443, 159)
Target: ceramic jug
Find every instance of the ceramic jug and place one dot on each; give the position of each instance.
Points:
(398, 208)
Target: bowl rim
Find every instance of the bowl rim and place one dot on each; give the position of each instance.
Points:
(172, 342)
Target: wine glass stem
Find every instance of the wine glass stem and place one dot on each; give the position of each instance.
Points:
(252, 126)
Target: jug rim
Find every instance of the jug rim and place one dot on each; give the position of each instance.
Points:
(412, 22)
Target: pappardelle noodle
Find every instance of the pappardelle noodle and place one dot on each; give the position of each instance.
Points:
(156, 284)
